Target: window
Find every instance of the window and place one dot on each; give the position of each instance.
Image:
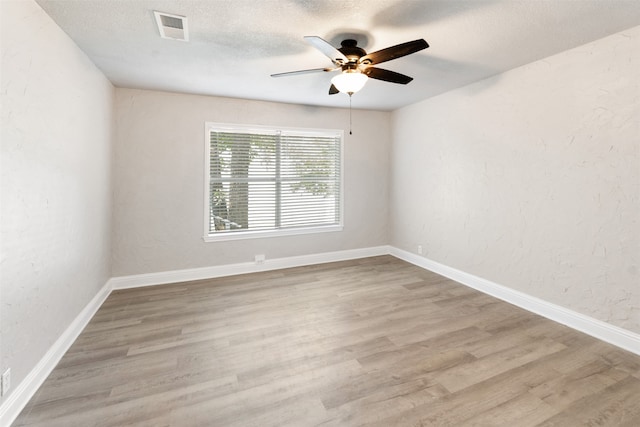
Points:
(266, 181)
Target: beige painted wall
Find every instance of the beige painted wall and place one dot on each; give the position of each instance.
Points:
(159, 180)
(531, 179)
(55, 185)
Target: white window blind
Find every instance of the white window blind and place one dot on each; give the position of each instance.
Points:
(273, 180)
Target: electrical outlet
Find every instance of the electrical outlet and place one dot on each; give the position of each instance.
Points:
(6, 381)
(259, 259)
(419, 249)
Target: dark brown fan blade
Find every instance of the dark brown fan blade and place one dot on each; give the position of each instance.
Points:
(333, 90)
(313, 70)
(386, 75)
(394, 52)
(325, 47)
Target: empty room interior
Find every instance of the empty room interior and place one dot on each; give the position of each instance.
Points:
(320, 213)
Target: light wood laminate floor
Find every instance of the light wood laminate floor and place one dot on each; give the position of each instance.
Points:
(375, 342)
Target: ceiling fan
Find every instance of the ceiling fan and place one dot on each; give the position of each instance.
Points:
(356, 65)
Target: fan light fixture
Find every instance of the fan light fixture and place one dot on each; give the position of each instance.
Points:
(349, 81)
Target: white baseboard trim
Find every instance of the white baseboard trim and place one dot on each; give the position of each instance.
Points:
(151, 279)
(617, 336)
(27, 388)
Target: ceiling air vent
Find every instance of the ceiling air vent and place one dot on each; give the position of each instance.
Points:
(172, 27)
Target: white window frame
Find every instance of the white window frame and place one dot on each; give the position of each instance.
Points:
(241, 235)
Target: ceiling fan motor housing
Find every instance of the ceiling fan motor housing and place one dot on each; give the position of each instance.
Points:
(350, 49)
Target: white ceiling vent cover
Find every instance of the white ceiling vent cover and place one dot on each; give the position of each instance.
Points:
(172, 27)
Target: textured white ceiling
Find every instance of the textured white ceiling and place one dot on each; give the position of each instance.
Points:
(236, 44)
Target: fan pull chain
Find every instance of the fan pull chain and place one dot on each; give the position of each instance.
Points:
(350, 121)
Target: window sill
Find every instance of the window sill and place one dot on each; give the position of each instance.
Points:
(243, 235)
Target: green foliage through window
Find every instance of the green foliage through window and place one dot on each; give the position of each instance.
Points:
(267, 179)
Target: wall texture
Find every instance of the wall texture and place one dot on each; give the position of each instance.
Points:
(159, 180)
(55, 184)
(531, 179)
